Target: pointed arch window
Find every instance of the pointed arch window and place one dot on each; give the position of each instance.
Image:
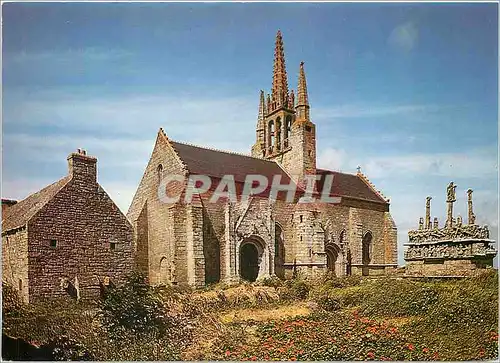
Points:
(271, 138)
(159, 172)
(366, 248)
(277, 139)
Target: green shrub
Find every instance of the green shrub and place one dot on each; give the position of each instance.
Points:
(391, 297)
(134, 307)
(294, 289)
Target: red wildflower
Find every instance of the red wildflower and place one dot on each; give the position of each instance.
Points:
(253, 357)
(266, 357)
(435, 355)
(425, 350)
(370, 355)
(481, 353)
(228, 353)
(293, 358)
(410, 346)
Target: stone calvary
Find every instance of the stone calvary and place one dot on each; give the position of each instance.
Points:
(456, 249)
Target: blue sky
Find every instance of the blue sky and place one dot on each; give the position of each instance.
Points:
(407, 91)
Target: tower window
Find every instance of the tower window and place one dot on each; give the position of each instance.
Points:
(112, 246)
(301, 218)
(53, 243)
(308, 128)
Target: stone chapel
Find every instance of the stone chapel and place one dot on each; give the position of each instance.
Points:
(199, 242)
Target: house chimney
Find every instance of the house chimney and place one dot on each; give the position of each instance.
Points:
(82, 167)
(6, 204)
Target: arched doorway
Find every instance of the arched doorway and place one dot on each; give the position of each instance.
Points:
(366, 252)
(251, 251)
(332, 258)
(279, 252)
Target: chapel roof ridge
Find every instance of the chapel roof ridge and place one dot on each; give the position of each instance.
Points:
(335, 171)
(221, 151)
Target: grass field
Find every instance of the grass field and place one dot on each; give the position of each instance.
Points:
(322, 319)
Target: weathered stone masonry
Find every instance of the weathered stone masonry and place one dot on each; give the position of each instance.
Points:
(69, 236)
(203, 242)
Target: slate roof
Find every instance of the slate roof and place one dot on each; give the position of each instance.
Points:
(349, 185)
(21, 212)
(217, 163)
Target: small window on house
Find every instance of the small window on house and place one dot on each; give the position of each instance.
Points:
(301, 238)
(301, 218)
(20, 285)
(310, 152)
(112, 246)
(53, 243)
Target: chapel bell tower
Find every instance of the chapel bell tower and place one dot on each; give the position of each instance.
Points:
(285, 132)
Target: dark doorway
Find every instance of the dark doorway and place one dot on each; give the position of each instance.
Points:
(279, 253)
(331, 259)
(365, 254)
(249, 262)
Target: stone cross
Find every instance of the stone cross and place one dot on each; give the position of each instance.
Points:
(470, 213)
(428, 212)
(451, 198)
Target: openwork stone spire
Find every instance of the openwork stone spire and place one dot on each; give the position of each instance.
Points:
(280, 83)
(302, 98)
(262, 112)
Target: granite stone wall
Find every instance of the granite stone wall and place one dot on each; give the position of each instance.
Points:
(79, 236)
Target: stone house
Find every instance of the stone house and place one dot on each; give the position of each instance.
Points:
(199, 242)
(68, 238)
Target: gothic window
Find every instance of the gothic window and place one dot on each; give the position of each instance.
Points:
(53, 243)
(278, 133)
(160, 173)
(287, 129)
(20, 285)
(366, 252)
(271, 136)
(112, 246)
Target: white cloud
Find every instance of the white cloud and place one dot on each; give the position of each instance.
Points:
(469, 163)
(184, 117)
(404, 36)
(333, 159)
(373, 110)
(68, 55)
